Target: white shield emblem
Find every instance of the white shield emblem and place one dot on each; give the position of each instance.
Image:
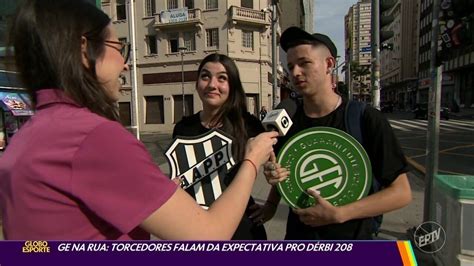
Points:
(201, 164)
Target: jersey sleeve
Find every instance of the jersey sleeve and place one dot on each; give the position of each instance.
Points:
(114, 176)
(383, 148)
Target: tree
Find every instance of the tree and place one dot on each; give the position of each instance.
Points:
(357, 73)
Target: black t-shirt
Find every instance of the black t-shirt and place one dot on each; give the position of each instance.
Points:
(386, 157)
(191, 126)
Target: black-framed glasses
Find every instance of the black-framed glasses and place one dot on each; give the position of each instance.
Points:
(124, 49)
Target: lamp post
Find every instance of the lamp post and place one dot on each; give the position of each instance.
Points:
(182, 49)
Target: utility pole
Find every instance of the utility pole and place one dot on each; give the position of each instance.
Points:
(134, 100)
(432, 139)
(276, 91)
(181, 51)
(375, 42)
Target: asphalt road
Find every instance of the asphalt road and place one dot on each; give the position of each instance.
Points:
(456, 142)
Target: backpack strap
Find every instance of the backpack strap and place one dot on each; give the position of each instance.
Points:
(353, 119)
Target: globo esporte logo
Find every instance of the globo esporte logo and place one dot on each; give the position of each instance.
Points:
(36, 246)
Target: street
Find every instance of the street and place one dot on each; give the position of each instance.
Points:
(456, 142)
(456, 155)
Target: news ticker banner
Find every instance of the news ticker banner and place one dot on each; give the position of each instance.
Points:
(13, 253)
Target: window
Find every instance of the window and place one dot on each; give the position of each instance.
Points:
(121, 10)
(246, 3)
(247, 39)
(178, 106)
(212, 38)
(172, 4)
(154, 110)
(124, 40)
(173, 40)
(125, 114)
(189, 4)
(252, 103)
(211, 4)
(151, 44)
(149, 8)
(189, 41)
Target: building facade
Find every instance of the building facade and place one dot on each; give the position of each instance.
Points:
(293, 14)
(457, 55)
(358, 49)
(173, 36)
(298, 14)
(399, 55)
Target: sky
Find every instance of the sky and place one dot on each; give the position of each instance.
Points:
(329, 19)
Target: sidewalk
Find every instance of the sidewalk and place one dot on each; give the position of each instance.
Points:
(395, 224)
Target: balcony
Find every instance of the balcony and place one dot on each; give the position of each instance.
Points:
(248, 16)
(174, 19)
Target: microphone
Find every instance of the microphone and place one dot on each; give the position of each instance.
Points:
(279, 119)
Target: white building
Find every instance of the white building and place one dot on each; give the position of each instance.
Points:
(237, 28)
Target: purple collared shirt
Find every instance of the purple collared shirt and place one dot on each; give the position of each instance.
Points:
(72, 174)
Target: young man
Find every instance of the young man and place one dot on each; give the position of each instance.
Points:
(311, 60)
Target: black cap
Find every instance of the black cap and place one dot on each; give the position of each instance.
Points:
(293, 35)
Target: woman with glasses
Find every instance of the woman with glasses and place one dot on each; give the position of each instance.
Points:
(72, 171)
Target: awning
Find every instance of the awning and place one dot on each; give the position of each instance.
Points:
(17, 103)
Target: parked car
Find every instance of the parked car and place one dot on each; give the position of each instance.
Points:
(386, 107)
(421, 111)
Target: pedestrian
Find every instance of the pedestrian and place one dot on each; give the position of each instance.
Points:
(311, 59)
(263, 113)
(224, 107)
(72, 171)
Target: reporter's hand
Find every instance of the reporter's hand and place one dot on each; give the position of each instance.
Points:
(258, 149)
(273, 171)
(261, 214)
(322, 213)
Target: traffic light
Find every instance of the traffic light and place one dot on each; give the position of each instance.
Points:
(385, 20)
(386, 46)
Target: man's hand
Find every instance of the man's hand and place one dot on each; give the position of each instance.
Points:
(273, 172)
(322, 213)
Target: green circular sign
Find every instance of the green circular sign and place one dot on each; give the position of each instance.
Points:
(328, 160)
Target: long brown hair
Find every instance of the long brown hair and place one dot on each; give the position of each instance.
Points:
(232, 111)
(46, 36)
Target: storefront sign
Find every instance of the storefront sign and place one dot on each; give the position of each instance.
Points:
(15, 103)
(174, 15)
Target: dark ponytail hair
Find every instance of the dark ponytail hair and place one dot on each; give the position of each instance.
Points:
(46, 36)
(232, 112)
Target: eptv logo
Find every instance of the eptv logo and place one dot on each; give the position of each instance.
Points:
(430, 237)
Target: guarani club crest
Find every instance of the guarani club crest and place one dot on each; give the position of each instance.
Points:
(201, 164)
(328, 160)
